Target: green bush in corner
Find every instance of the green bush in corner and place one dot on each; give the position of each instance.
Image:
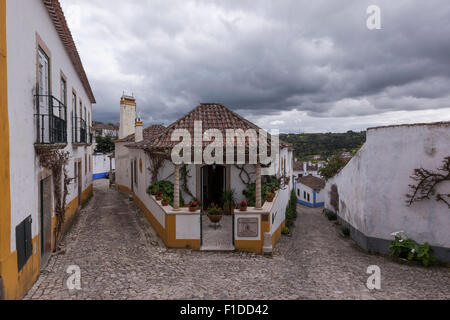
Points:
(407, 248)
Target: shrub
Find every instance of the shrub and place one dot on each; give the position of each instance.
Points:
(330, 215)
(250, 193)
(407, 248)
(332, 167)
(166, 188)
(286, 231)
(345, 231)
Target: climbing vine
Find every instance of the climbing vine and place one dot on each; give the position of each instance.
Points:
(156, 162)
(244, 175)
(426, 183)
(56, 161)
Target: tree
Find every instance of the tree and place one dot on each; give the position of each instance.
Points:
(104, 144)
(333, 166)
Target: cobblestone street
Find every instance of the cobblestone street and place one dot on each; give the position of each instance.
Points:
(121, 258)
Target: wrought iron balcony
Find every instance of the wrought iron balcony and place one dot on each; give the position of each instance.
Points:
(79, 131)
(51, 124)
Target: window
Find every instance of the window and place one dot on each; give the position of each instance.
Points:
(309, 198)
(298, 192)
(24, 245)
(135, 172)
(44, 75)
(304, 194)
(63, 97)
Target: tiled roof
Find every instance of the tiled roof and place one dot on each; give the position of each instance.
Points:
(57, 15)
(212, 115)
(298, 166)
(104, 126)
(312, 182)
(149, 133)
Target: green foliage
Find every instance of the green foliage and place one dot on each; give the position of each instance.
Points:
(286, 231)
(345, 231)
(291, 210)
(166, 187)
(407, 248)
(250, 192)
(332, 167)
(228, 200)
(330, 215)
(104, 145)
(215, 210)
(325, 145)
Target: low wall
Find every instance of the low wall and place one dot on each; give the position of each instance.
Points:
(372, 188)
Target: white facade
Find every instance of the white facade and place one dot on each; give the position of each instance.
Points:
(309, 196)
(29, 26)
(372, 187)
(103, 164)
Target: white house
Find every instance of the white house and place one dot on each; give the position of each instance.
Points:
(147, 160)
(46, 106)
(309, 190)
(369, 194)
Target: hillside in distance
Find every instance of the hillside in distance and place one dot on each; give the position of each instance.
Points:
(308, 145)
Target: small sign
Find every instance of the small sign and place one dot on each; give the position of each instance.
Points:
(248, 228)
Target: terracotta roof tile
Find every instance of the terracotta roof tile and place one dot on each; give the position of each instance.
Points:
(312, 182)
(59, 20)
(149, 133)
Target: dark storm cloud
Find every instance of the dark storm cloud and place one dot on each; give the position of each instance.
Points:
(264, 58)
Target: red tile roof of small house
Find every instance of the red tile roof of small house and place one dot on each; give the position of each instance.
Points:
(213, 116)
(298, 166)
(312, 182)
(149, 133)
(59, 20)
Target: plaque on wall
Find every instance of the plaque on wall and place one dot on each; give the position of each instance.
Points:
(247, 227)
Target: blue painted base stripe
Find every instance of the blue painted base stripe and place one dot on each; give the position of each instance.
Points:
(100, 175)
(306, 203)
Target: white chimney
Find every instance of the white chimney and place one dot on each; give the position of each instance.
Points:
(305, 169)
(139, 131)
(127, 116)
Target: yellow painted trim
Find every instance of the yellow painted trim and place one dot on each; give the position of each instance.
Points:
(128, 103)
(254, 245)
(18, 283)
(6, 262)
(277, 234)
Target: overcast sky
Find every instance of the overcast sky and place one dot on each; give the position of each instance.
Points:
(299, 66)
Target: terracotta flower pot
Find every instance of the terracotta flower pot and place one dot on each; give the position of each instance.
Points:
(158, 198)
(241, 208)
(165, 203)
(269, 199)
(193, 209)
(215, 218)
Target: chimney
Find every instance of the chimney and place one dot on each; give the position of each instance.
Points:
(127, 116)
(305, 169)
(139, 131)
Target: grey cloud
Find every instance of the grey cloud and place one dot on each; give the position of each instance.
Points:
(265, 57)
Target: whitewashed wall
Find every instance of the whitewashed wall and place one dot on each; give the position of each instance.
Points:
(372, 187)
(25, 18)
(102, 164)
(278, 211)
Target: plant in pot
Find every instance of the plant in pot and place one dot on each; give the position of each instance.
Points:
(229, 202)
(243, 206)
(165, 201)
(215, 213)
(270, 196)
(158, 195)
(193, 206)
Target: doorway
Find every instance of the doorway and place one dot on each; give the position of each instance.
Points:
(46, 220)
(213, 185)
(215, 236)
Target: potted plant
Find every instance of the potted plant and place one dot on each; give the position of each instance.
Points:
(158, 195)
(270, 196)
(229, 202)
(193, 206)
(215, 213)
(243, 206)
(165, 201)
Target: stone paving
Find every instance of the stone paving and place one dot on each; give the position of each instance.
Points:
(121, 257)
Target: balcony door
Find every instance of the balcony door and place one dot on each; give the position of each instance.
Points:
(43, 104)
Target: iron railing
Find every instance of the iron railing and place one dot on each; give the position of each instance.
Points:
(51, 124)
(79, 130)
